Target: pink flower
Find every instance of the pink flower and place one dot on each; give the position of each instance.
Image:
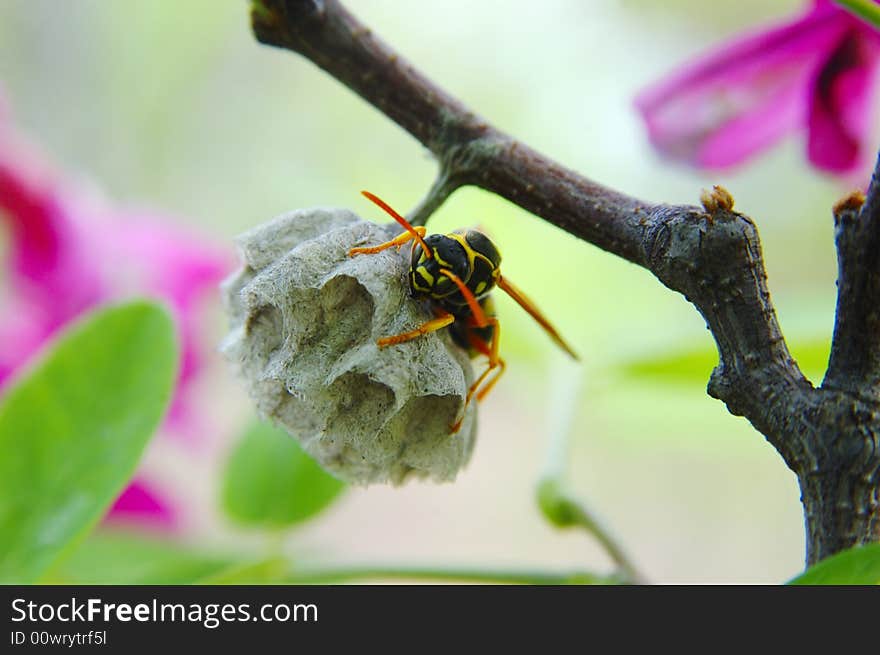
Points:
(817, 72)
(143, 506)
(68, 252)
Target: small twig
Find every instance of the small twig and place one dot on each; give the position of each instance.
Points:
(277, 570)
(854, 365)
(442, 188)
(556, 503)
(563, 511)
(345, 574)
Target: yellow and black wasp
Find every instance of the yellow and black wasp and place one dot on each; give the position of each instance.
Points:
(456, 272)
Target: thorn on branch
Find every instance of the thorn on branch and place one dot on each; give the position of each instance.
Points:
(850, 203)
(718, 199)
(271, 19)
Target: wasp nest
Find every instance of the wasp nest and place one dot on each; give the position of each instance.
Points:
(305, 318)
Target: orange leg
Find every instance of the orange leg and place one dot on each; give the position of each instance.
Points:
(482, 393)
(417, 232)
(397, 241)
(443, 319)
(495, 364)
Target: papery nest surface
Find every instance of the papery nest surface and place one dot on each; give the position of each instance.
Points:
(304, 321)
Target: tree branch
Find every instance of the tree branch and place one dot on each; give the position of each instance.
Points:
(854, 365)
(712, 255)
(469, 150)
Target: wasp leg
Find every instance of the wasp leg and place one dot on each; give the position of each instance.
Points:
(482, 393)
(396, 241)
(495, 364)
(443, 319)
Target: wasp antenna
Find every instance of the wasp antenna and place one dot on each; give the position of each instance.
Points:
(476, 310)
(524, 302)
(372, 197)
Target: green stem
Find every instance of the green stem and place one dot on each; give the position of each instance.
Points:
(440, 190)
(867, 10)
(345, 574)
(568, 383)
(563, 511)
(554, 500)
(265, 571)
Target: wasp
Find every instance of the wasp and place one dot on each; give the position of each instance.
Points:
(456, 272)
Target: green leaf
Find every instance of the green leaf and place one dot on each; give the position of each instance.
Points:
(115, 557)
(73, 430)
(857, 566)
(271, 482)
(685, 367)
(690, 367)
(867, 10)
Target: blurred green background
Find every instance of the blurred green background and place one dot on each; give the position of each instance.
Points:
(173, 105)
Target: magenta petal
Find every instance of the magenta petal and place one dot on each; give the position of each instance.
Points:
(843, 102)
(50, 261)
(746, 81)
(69, 252)
(753, 131)
(23, 331)
(141, 505)
(166, 262)
(33, 220)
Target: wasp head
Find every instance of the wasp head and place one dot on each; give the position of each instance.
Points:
(468, 254)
